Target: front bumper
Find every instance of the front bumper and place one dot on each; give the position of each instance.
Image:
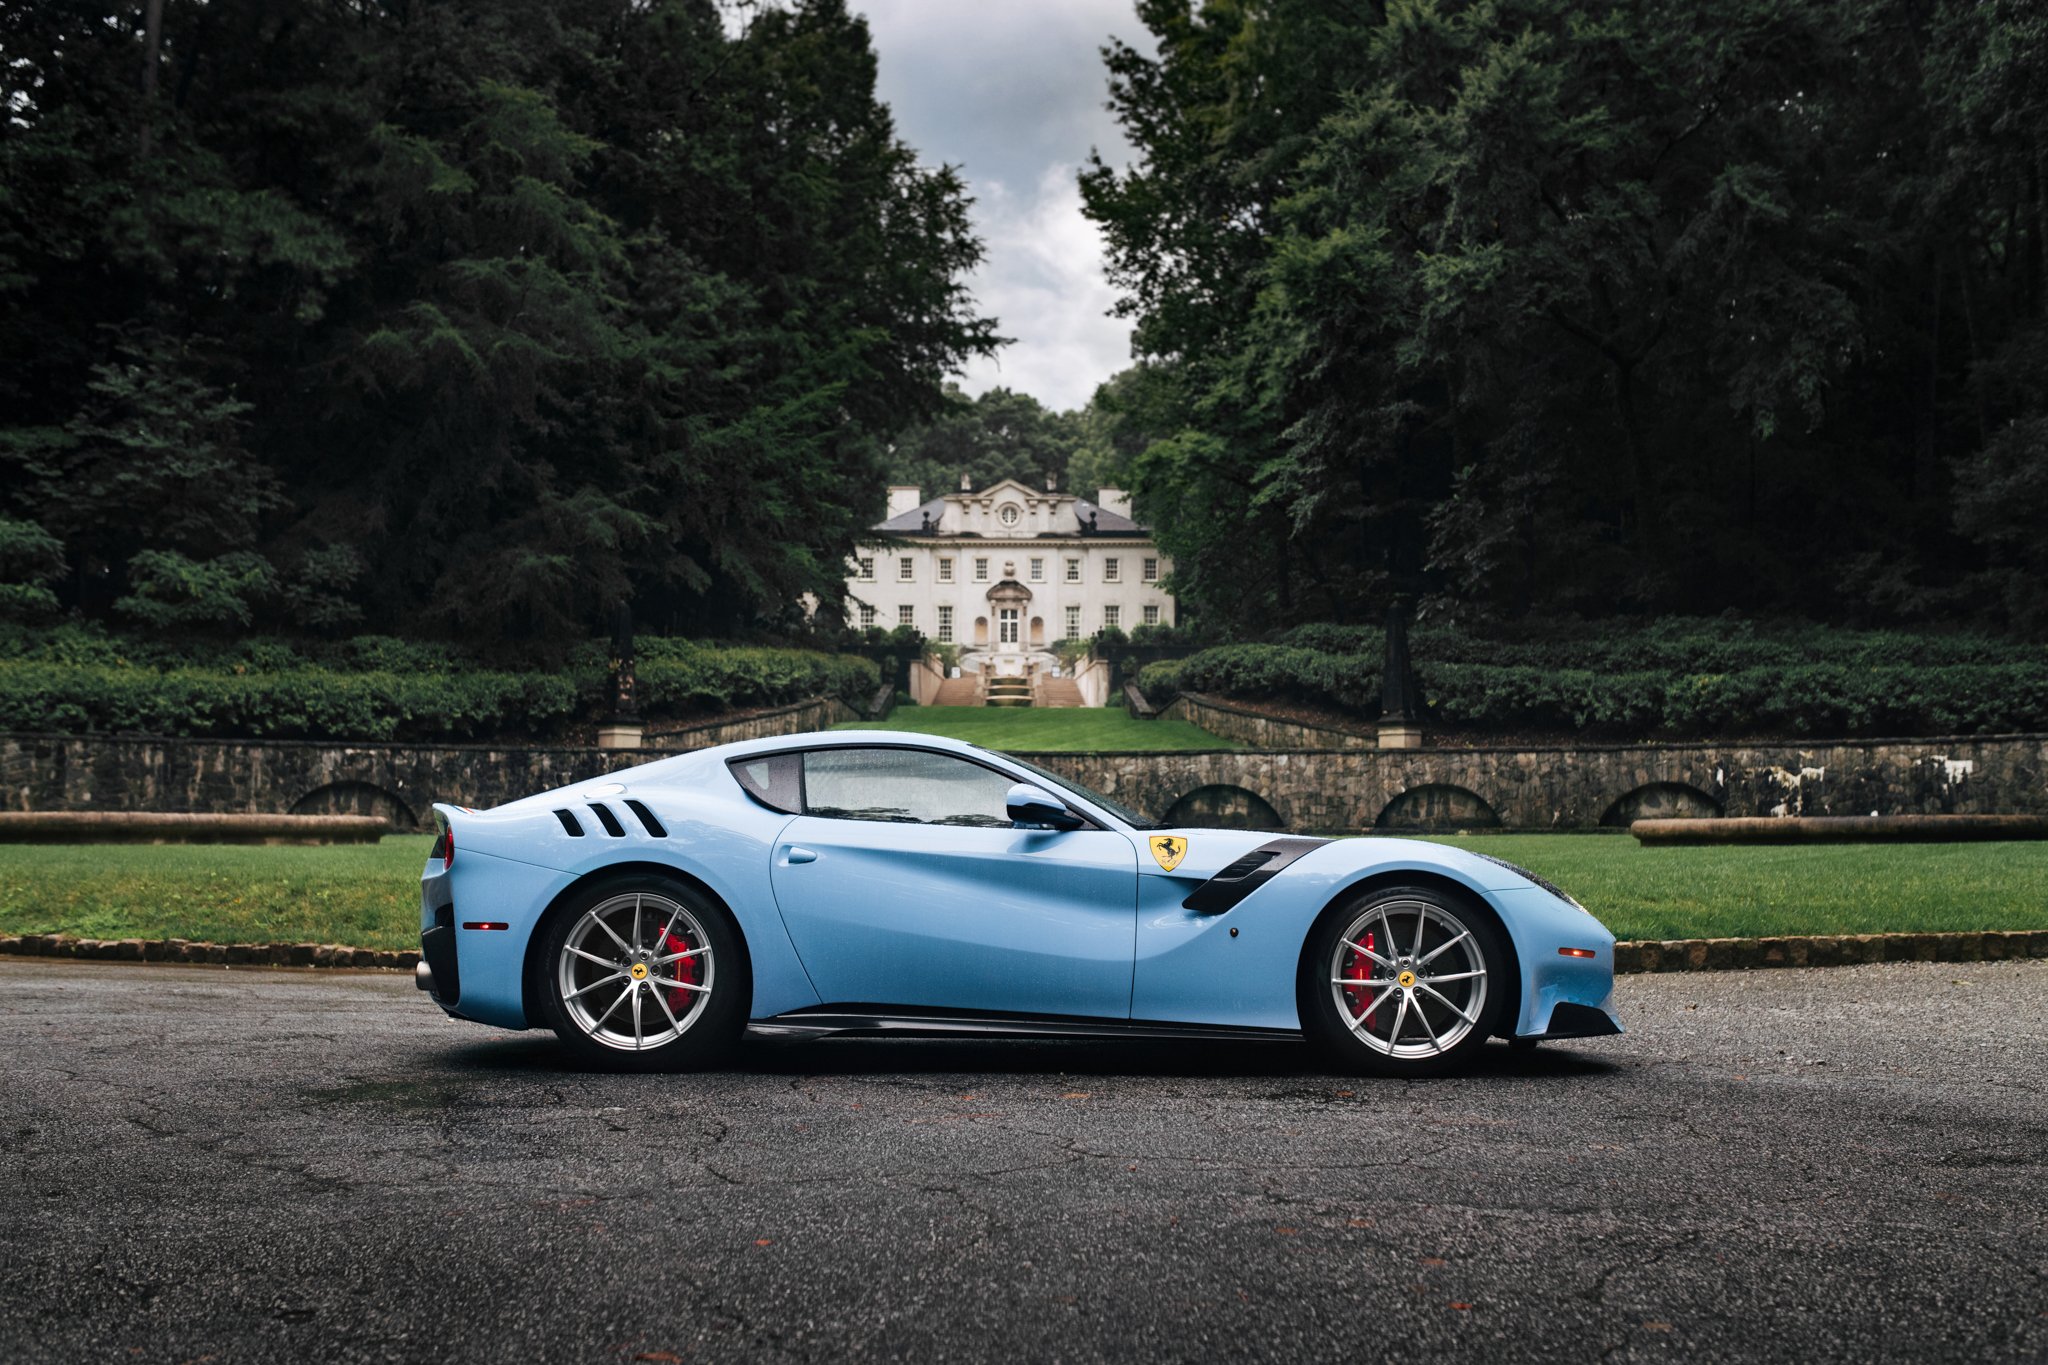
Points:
(1568, 1020)
(1562, 996)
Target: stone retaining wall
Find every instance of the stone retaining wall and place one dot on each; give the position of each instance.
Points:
(1261, 731)
(816, 714)
(1326, 790)
(399, 782)
(1583, 788)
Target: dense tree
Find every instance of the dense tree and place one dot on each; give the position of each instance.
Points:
(1671, 305)
(455, 316)
(999, 435)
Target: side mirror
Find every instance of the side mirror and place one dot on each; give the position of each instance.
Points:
(1038, 808)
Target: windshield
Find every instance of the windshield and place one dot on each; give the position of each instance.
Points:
(1135, 819)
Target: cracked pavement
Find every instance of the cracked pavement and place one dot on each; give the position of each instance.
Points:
(221, 1165)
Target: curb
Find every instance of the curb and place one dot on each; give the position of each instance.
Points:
(1824, 950)
(210, 954)
(1644, 955)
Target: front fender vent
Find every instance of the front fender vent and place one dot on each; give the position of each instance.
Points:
(608, 820)
(569, 825)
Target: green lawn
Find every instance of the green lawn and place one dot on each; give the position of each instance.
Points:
(366, 894)
(1761, 891)
(362, 894)
(1090, 729)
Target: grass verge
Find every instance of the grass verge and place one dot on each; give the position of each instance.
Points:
(1090, 729)
(1755, 892)
(365, 895)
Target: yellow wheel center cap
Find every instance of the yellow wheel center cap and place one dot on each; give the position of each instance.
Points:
(639, 971)
(1408, 979)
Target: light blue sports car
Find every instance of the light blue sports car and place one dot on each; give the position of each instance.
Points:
(882, 882)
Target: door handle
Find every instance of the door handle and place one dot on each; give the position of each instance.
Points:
(792, 854)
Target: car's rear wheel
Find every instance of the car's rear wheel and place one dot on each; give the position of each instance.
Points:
(644, 973)
(1405, 981)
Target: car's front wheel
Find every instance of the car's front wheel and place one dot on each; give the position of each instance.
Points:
(1405, 981)
(644, 973)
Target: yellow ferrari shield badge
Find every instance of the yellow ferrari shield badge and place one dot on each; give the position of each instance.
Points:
(1169, 849)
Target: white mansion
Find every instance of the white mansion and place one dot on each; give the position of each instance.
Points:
(1004, 571)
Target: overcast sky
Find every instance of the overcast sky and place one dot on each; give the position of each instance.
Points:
(1012, 92)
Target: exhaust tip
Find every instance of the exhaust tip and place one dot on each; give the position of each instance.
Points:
(423, 976)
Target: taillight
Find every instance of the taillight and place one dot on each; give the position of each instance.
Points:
(444, 848)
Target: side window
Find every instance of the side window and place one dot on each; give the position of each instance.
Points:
(907, 786)
(775, 780)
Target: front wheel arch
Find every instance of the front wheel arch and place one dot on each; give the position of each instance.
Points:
(533, 971)
(1511, 1005)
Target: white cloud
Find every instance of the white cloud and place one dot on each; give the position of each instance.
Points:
(1013, 92)
(1043, 280)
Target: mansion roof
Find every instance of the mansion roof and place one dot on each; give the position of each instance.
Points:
(1010, 510)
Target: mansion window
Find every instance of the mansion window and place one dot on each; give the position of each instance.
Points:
(945, 625)
(1073, 623)
(981, 571)
(867, 616)
(1112, 570)
(1073, 571)
(1037, 571)
(866, 572)
(906, 569)
(1152, 614)
(906, 616)
(1151, 568)
(945, 571)
(1112, 617)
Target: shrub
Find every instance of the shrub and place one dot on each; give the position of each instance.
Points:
(415, 702)
(1881, 684)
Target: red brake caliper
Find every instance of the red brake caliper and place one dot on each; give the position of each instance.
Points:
(688, 970)
(1360, 966)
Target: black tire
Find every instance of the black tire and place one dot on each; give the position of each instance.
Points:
(1456, 1018)
(671, 1040)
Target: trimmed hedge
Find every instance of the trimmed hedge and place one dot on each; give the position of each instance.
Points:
(678, 678)
(1674, 645)
(1885, 689)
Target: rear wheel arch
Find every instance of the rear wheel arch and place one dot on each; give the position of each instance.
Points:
(533, 968)
(1305, 976)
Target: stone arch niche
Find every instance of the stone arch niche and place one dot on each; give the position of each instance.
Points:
(1222, 806)
(1661, 801)
(981, 630)
(1038, 632)
(357, 798)
(1438, 806)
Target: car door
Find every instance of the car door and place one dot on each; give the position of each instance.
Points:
(903, 883)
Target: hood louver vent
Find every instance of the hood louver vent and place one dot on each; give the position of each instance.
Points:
(569, 825)
(608, 820)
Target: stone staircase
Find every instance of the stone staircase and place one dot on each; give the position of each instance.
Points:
(962, 691)
(1007, 692)
(1051, 691)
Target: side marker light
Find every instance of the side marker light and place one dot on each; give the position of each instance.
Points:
(484, 924)
(1576, 952)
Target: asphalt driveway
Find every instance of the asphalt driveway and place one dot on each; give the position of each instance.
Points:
(208, 1164)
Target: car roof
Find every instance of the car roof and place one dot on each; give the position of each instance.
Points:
(814, 739)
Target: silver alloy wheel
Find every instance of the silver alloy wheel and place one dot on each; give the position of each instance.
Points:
(635, 971)
(1409, 979)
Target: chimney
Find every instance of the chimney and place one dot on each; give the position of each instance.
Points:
(903, 498)
(1113, 500)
